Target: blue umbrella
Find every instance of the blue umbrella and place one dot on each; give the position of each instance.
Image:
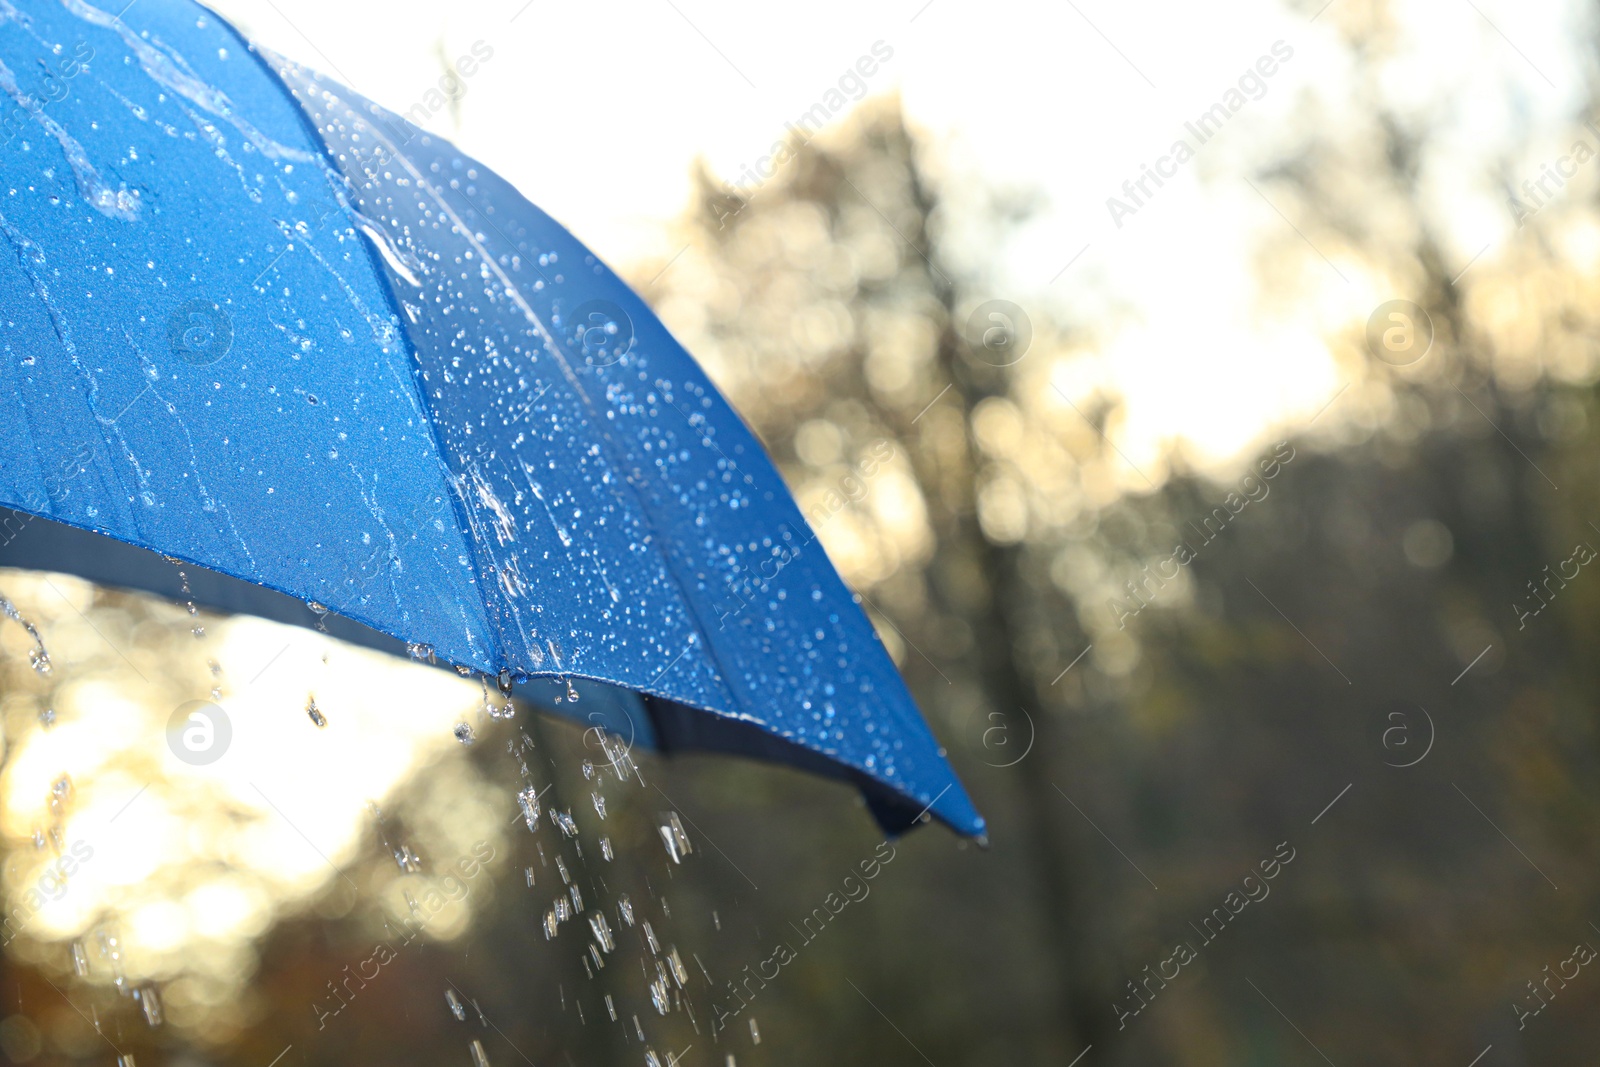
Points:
(258, 324)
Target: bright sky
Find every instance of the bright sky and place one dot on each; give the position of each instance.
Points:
(597, 110)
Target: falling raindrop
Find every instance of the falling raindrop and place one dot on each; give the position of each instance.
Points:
(408, 860)
(316, 713)
(680, 973)
(463, 732)
(564, 822)
(150, 1003)
(588, 770)
(80, 960)
(38, 658)
(600, 806)
(755, 1032)
(577, 898)
(678, 834)
(602, 931)
(672, 846)
(458, 1009)
(47, 718)
(611, 1008)
(528, 801)
(126, 1060)
(605, 847)
(479, 1057)
(650, 936)
(530, 877)
(658, 996)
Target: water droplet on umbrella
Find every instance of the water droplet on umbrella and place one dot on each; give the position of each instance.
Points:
(463, 732)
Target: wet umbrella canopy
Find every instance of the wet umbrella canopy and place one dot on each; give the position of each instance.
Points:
(256, 323)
